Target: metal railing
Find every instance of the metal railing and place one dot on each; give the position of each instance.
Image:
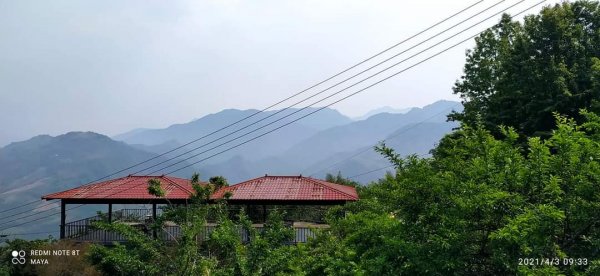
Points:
(134, 215)
(83, 230)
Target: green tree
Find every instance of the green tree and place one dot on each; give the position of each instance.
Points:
(518, 75)
(481, 203)
(265, 252)
(339, 179)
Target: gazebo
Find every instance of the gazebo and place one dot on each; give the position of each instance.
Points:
(126, 190)
(286, 191)
(263, 191)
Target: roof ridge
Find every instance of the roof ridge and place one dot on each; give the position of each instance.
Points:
(319, 182)
(177, 184)
(250, 180)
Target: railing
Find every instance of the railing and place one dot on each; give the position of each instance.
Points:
(80, 227)
(82, 230)
(134, 215)
(301, 234)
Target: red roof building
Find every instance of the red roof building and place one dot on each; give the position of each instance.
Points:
(126, 190)
(287, 190)
(129, 189)
(267, 190)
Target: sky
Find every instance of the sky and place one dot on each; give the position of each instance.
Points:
(112, 66)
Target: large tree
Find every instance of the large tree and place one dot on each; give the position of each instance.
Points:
(518, 74)
(481, 204)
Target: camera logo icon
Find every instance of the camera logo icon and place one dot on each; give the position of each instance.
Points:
(18, 257)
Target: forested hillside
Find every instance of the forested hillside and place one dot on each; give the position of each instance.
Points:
(46, 164)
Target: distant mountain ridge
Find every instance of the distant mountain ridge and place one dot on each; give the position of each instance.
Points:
(414, 132)
(366, 132)
(271, 144)
(324, 119)
(69, 159)
(45, 164)
(385, 109)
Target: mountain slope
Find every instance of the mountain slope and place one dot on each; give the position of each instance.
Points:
(363, 133)
(183, 133)
(385, 109)
(411, 139)
(46, 164)
(269, 145)
(416, 138)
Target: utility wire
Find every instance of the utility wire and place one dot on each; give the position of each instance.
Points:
(402, 131)
(175, 157)
(17, 207)
(372, 171)
(320, 92)
(325, 106)
(275, 104)
(357, 92)
(336, 93)
(346, 97)
(376, 170)
(27, 211)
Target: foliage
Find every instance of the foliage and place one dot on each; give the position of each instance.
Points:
(476, 207)
(6, 265)
(154, 188)
(327, 255)
(57, 265)
(265, 252)
(481, 203)
(519, 74)
(339, 179)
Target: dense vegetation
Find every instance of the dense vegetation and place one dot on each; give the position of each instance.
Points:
(519, 74)
(519, 180)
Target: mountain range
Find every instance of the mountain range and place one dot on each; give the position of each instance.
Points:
(45, 164)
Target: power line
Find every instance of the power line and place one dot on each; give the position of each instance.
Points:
(38, 219)
(34, 214)
(359, 91)
(155, 165)
(372, 171)
(346, 97)
(30, 221)
(320, 92)
(27, 211)
(338, 92)
(275, 104)
(402, 131)
(379, 169)
(17, 207)
(354, 66)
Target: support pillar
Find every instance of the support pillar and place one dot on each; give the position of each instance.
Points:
(264, 213)
(110, 213)
(63, 218)
(154, 219)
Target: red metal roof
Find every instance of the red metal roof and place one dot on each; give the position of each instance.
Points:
(129, 187)
(288, 188)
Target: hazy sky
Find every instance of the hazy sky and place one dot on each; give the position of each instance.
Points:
(111, 66)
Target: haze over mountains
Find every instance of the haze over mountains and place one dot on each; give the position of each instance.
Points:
(385, 109)
(45, 164)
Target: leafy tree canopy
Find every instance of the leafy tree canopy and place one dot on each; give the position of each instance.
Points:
(519, 74)
(482, 203)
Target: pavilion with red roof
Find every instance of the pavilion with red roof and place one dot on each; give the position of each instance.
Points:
(126, 190)
(262, 191)
(289, 190)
